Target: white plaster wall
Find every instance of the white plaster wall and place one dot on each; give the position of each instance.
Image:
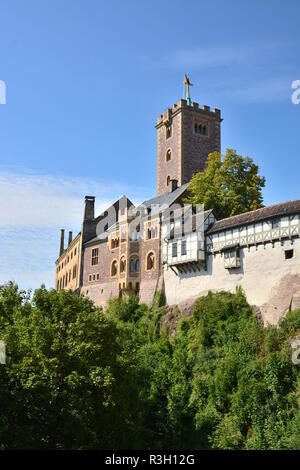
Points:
(262, 267)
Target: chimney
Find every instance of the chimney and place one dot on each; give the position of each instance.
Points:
(174, 185)
(62, 242)
(70, 238)
(89, 208)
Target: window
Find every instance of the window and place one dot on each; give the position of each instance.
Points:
(75, 251)
(122, 264)
(275, 224)
(94, 277)
(70, 275)
(130, 285)
(114, 243)
(174, 250)
(137, 287)
(90, 278)
(183, 247)
(137, 265)
(98, 277)
(168, 155)
(131, 266)
(152, 232)
(114, 268)
(134, 265)
(232, 258)
(150, 262)
(168, 180)
(201, 129)
(138, 235)
(95, 256)
(168, 132)
(74, 271)
(289, 254)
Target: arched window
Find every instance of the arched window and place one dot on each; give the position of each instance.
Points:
(150, 262)
(114, 268)
(131, 265)
(137, 265)
(168, 155)
(168, 180)
(134, 265)
(122, 264)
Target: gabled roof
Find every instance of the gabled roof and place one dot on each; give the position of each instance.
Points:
(164, 200)
(269, 212)
(121, 202)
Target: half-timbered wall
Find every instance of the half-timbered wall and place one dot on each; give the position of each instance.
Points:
(267, 267)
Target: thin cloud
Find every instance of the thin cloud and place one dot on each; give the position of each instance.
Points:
(223, 55)
(33, 208)
(264, 91)
(30, 200)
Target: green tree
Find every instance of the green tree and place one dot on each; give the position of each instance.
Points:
(67, 382)
(229, 185)
(79, 377)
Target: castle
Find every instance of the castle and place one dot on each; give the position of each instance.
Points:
(163, 244)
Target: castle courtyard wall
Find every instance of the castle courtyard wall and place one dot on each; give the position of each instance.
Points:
(269, 281)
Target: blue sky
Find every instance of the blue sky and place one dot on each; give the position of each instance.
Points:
(85, 82)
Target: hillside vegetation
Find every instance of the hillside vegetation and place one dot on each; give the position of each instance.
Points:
(78, 377)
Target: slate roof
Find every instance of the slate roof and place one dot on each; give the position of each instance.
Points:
(269, 212)
(165, 200)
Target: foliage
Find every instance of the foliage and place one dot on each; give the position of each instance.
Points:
(78, 377)
(230, 185)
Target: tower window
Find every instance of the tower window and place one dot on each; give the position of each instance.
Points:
(168, 132)
(168, 155)
(168, 180)
(200, 129)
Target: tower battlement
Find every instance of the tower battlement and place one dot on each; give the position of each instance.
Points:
(169, 113)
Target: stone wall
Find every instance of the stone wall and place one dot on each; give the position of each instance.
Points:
(189, 149)
(270, 281)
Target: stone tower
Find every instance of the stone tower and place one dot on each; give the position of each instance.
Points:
(186, 134)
